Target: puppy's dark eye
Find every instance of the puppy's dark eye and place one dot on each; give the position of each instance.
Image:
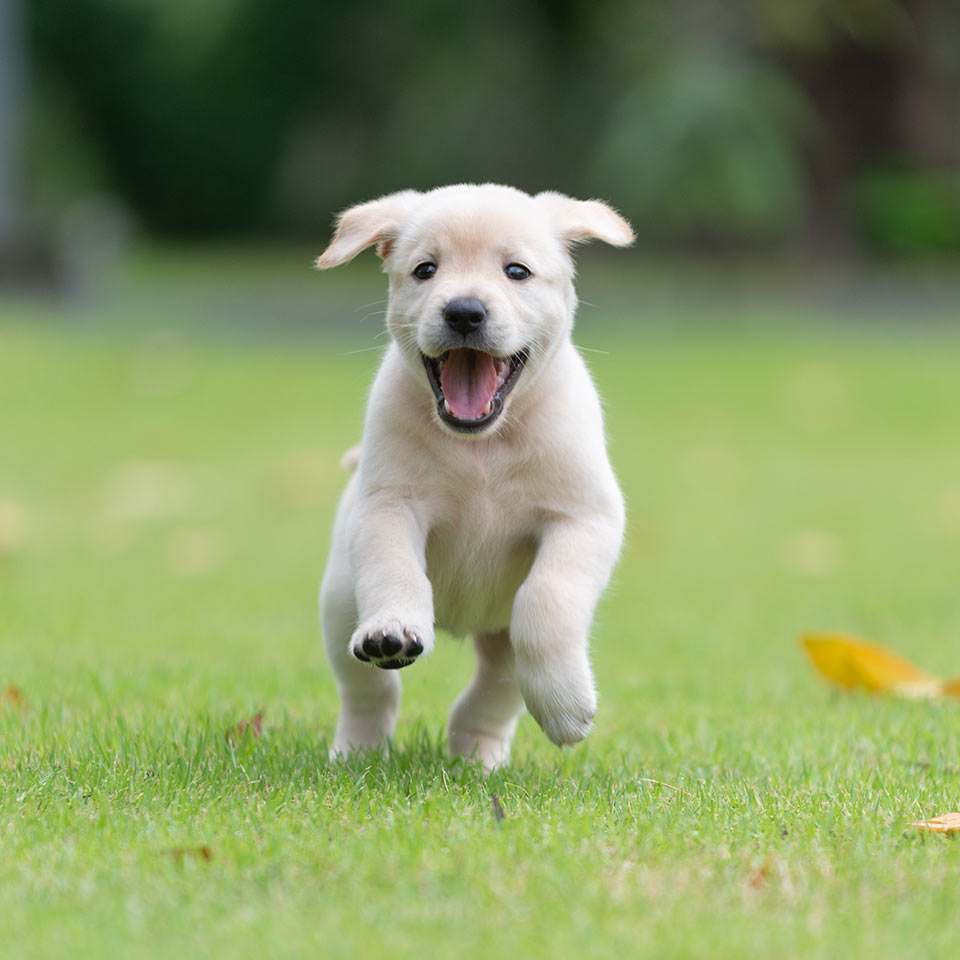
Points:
(425, 270)
(516, 271)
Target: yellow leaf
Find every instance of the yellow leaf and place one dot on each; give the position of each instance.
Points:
(951, 688)
(945, 824)
(12, 696)
(856, 664)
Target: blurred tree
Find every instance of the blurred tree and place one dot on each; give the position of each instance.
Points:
(427, 93)
(191, 102)
(703, 148)
(743, 122)
(702, 143)
(883, 78)
(25, 260)
(11, 118)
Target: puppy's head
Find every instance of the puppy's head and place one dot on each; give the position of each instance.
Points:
(481, 285)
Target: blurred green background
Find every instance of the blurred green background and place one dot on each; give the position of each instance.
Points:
(778, 358)
(810, 124)
(169, 169)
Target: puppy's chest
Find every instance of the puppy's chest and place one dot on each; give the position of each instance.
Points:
(479, 550)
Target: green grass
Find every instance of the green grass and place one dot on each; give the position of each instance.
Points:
(173, 496)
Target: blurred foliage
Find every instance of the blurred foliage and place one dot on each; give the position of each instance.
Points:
(705, 147)
(190, 103)
(704, 122)
(909, 212)
(816, 25)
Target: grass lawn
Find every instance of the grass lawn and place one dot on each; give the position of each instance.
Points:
(165, 502)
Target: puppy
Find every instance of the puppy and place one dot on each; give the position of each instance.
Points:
(483, 501)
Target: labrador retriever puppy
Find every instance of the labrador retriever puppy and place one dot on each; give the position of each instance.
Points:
(483, 500)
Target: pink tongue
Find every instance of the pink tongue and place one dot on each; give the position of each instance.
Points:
(468, 381)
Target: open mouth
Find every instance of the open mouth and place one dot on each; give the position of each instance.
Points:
(470, 385)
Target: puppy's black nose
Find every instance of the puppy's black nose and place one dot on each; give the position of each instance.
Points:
(465, 314)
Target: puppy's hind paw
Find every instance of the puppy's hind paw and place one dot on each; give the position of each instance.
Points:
(389, 644)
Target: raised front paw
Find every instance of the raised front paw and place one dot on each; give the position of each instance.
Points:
(390, 644)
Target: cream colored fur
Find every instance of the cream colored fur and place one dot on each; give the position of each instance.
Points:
(509, 535)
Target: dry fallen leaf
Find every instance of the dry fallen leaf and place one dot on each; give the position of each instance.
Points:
(758, 878)
(948, 823)
(12, 696)
(856, 664)
(182, 853)
(255, 723)
(951, 688)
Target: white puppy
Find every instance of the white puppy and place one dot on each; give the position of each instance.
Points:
(483, 500)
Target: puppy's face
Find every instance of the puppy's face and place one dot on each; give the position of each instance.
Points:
(481, 286)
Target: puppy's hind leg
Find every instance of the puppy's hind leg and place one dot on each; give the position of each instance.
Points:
(369, 698)
(484, 717)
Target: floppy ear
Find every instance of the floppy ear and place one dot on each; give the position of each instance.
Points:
(580, 220)
(362, 226)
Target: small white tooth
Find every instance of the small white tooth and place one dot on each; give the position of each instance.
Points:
(488, 408)
(447, 407)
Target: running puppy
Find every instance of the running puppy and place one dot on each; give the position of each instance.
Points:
(483, 501)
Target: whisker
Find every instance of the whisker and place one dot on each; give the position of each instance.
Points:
(372, 303)
(350, 353)
(592, 350)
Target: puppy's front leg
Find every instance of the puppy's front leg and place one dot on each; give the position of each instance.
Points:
(394, 596)
(552, 613)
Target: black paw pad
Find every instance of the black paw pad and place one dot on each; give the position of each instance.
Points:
(414, 647)
(389, 651)
(390, 646)
(397, 663)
